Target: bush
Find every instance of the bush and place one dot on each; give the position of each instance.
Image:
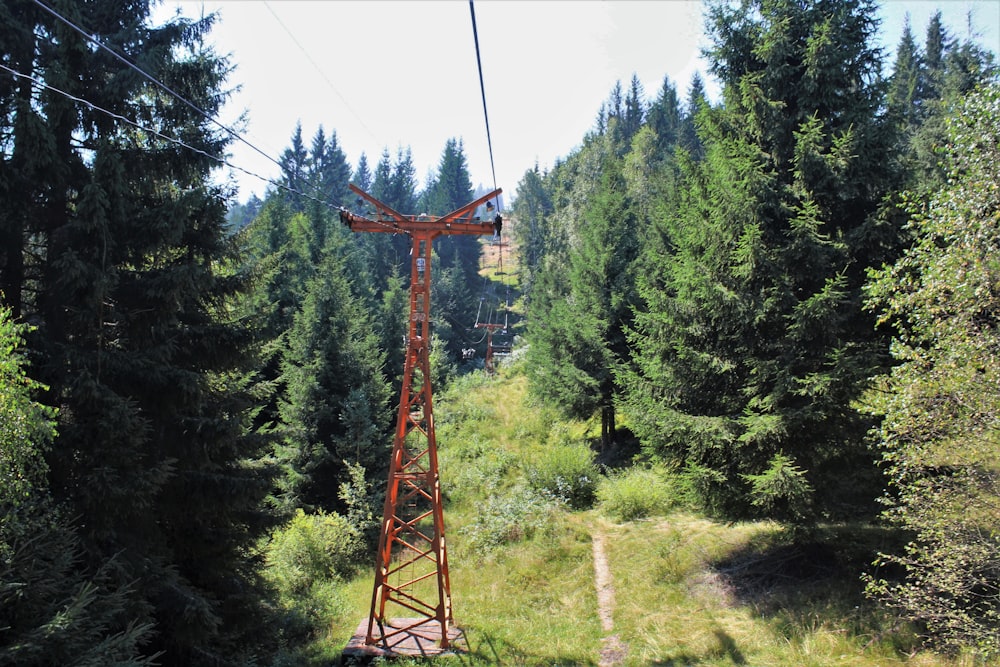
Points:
(566, 472)
(507, 518)
(311, 549)
(637, 493)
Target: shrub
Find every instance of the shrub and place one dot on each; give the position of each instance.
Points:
(507, 518)
(637, 493)
(566, 472)
(312, 548)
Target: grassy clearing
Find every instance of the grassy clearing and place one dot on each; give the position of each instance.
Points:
(688, 591)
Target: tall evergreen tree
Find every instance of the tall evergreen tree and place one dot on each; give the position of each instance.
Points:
(124, 261)
(295, 162)
(335, 399)
(635, 110)
(664, 118)
(579, 339)
(363, 174)
(949, 70)
(327, 177)
(754, 347)
(905, 89)
(696, 100)
(531, 208)
(451, 189)
(51, 612)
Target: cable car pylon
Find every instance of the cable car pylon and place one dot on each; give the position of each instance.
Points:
(411, 568)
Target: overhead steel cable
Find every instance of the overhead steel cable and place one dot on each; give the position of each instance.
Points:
(319, 69)
(482, 89)
(204, 114)
(152, 79)
(165, 137)
(493, 314)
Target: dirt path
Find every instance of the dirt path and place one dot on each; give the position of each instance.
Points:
(612, 650)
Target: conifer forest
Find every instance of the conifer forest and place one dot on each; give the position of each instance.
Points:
(779, 308)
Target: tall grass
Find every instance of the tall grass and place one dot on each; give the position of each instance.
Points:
(688, 590)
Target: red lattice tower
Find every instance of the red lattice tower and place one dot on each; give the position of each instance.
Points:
(411, 569)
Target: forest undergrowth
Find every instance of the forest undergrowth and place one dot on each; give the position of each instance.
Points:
(525, 498)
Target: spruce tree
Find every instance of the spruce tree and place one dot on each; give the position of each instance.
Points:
(456, 283)
(579, 341)
(753, 346)
(335, 401)
(295, 161)
(126, 267)
(664, 118)
(905, 89)
(531, 208)
(949, 70)
(696, 100)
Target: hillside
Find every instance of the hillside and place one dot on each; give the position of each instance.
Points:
(680, 589)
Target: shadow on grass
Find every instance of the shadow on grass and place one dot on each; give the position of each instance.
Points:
(812, 579)
(484, 648)
(727, 649)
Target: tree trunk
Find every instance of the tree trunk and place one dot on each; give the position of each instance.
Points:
(607, 426)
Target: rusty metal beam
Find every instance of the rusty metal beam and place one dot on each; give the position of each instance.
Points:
(413, 499)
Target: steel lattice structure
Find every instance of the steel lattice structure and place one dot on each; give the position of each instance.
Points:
(411, 569)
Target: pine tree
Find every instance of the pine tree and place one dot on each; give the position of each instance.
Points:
(295, 161)
(362, 174)
(531, 208)
(50, 611)
(753, 347)
(905, 89)
(696, 100)
(329, 172)
(579, 341)
(950, 70)
(664, 118)
(336, 399)
(456, 275)
(126, 268)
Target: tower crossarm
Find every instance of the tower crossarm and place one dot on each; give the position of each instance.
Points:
(459, 221)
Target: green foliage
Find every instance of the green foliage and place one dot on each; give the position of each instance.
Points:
(533, 231)
(750, 343)
(939, 433)
(924, 88)
(27, 427)
(50, 611)
(312, 549)
(307, 562)
(782, 490)
(117, 249)
(335, 401)
(507, 518)
(564, 470)
(638, 493)
(582, 306)
(362, 503)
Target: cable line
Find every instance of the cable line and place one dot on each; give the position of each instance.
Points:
(482, 89)
(168, 138)
(318, 69)
(93, 38)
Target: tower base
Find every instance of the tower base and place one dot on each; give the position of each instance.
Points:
(405, 637)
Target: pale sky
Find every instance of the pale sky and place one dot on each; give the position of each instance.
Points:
(391, 74)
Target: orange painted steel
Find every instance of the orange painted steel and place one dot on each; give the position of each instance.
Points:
(413, 517)
(488, 364)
